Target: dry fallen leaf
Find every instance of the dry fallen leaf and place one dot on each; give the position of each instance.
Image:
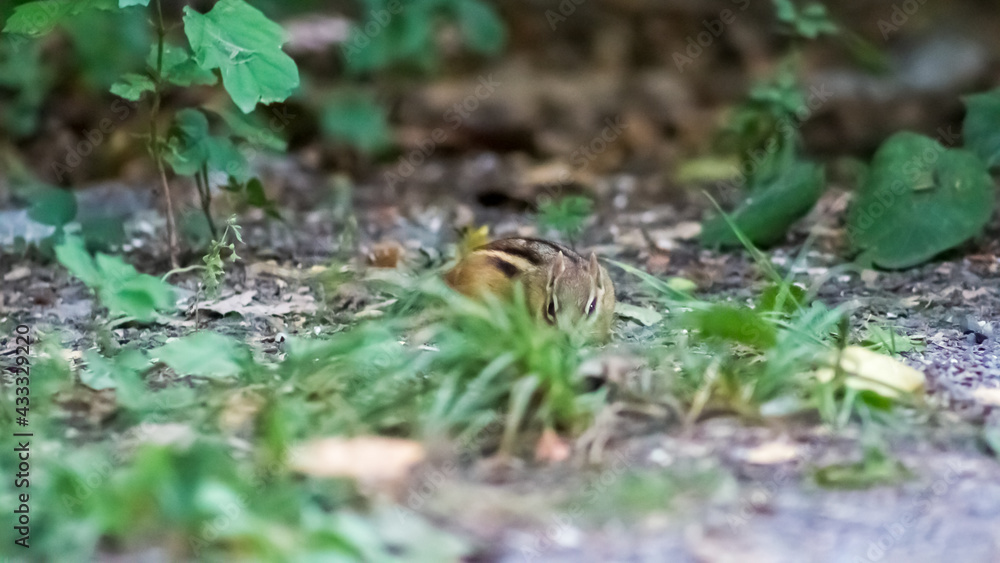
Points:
(371, 460)
(243, 304)
(386, 254)
(18, 273)
(771, 453)
(868, 370)
(551, 448)
(987, 396)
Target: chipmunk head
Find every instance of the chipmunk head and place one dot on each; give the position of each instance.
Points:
(579, 295)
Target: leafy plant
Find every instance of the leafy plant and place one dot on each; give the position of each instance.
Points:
(566, 216)
(403, 34)
(809, 21)
(780, 185)
(214, 265)
(235, 40)
(776, 201)
(918, 200)
(119, 287)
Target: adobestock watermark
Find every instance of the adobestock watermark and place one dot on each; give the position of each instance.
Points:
(563, 11)
(900, 15)
(583, 155)
(696, 44)
(761, 494)
(562, 525)
(432, 478)
(454, 116)
(891, 533)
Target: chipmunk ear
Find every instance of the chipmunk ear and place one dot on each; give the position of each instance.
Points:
(595, 271)
(551, 304)
(556, 271)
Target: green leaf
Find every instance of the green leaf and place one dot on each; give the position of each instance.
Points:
(73, 255)
(127, 3)
(567, 215)
(179, 68)
(254, 129)
(876, 468)
(257, 198)
(482, 28)
(774, 204)
(107, 373)
(119, 287)
(919, 199)
(245, 46)
(41, 17)
(52, 206)
(354, 118)
(192, 147)
(733, 324)
(133, 86)
(204, 354)
(981, 127)
(783, 298)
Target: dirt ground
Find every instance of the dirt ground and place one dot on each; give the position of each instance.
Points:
(700, 493)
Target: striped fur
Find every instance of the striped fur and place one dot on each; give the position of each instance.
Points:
(561, 286)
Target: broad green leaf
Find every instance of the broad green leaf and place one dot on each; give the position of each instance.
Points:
(245, 46)
(919, 199)
(52, 206)
(356, 119)
(482, 28)
(73, 255)
(178, 67)
(107, 373)
(192, 147)
(257, 198)
(133, 86)
(204, 354)
(126, 292)
(188, 147)
(119, 287)
(255, 129)
(774, 204)
(981, 127)
(733, 324)
(40, 17)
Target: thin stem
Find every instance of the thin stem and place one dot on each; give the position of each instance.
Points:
(206, 199)
(154, 137)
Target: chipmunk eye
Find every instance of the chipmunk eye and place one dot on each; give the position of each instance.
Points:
(550, 311)
(592, 307)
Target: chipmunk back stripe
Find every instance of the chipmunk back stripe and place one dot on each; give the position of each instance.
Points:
(568, 253)
(514, 249)
(508, 269)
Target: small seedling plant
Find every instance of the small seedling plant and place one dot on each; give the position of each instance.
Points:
(233, 42)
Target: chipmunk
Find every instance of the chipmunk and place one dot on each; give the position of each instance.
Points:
(561, 287)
